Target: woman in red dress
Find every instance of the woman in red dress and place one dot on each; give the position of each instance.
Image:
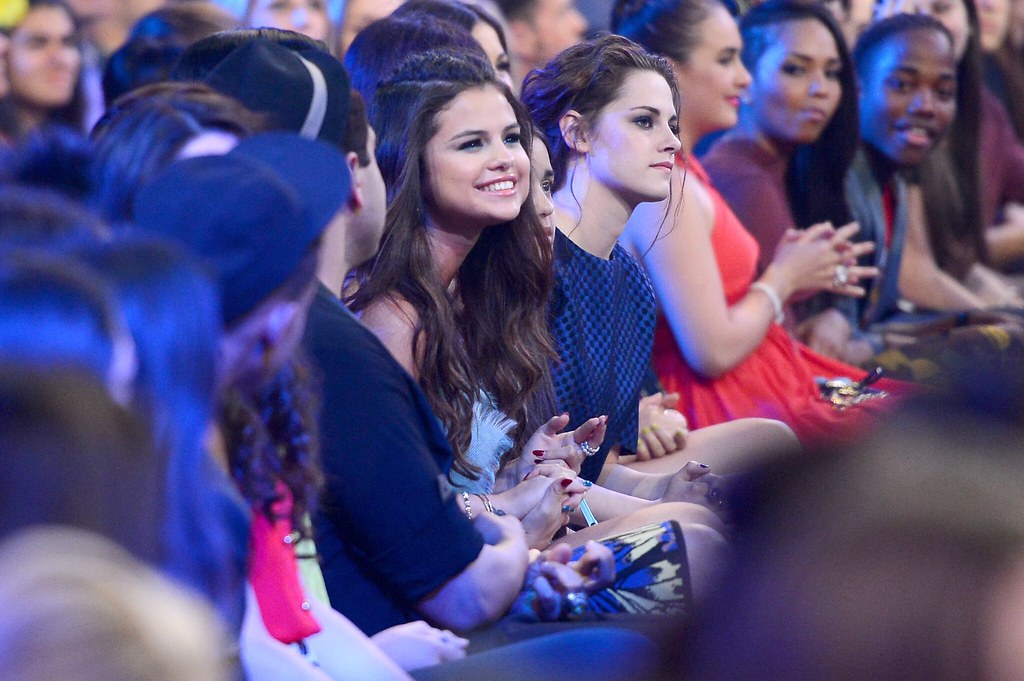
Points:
(719, 341)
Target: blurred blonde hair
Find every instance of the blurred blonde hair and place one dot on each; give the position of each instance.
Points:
(79, 607)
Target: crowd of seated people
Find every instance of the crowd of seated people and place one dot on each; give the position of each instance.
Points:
(443, 339)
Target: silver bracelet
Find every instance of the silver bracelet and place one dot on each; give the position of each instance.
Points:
(485, 501)
(465, 504)
(773, 298)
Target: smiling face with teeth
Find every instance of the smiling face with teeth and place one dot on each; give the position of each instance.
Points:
(908, 95)
(477, 171)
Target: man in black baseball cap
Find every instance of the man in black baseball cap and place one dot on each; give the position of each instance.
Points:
(282, 74)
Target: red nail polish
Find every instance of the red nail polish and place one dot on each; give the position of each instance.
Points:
(538, 452)
(566, 482)
(538, 460)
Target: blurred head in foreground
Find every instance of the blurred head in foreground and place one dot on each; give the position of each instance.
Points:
(78, 607)
(901, 557)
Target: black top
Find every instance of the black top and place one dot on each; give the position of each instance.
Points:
(389, 530)
(602, 318)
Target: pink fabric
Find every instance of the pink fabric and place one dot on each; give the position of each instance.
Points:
(273, 573)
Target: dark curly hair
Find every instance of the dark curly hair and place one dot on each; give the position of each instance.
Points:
(273, 436)
(271, 433)
(489, 330)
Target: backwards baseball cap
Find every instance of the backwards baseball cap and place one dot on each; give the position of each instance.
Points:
(252, 214)
(304, 90)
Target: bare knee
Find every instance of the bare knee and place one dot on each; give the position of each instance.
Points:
(707, 553)
(776, 435)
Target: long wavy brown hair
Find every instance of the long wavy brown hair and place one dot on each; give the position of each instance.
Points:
(488, 330)
(272, 436)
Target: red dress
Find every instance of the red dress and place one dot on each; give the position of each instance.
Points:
(778, 379)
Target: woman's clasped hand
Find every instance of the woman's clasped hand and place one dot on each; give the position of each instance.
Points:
(557, 587)
(544, 500)
(822, 258)
(663, 428)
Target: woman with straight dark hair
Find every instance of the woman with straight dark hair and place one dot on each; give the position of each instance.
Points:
(784, 165)
(800, 125)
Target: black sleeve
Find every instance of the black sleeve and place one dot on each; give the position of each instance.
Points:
(381, 449)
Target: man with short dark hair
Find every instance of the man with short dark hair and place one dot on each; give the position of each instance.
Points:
(540, 29)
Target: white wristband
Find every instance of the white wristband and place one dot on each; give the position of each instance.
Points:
(773, 297)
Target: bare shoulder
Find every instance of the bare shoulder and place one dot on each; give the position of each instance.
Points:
(393, 320)
(697, 204)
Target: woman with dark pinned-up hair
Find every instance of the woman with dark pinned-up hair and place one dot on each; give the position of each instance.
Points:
(484, 28)
(381, 47)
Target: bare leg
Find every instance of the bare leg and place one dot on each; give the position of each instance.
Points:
(727, 447)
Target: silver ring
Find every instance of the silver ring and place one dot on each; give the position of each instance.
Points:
(716, 497)
(576, 604)
(841, 276)
(588, 449)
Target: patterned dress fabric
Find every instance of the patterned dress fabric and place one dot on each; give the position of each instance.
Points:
(602, 318)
